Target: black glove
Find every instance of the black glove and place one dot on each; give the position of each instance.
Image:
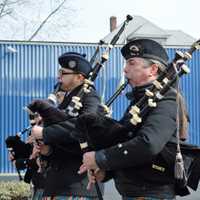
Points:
(39, 106)
(12, 140)
(50, 114)
(19, 148)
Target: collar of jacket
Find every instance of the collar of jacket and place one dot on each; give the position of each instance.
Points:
(138, 92)
(69, 96)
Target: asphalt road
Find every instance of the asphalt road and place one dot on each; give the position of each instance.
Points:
(112, 194)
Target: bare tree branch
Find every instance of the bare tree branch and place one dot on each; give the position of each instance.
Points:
(7, 6)
(46, 20)
(27, 19)
(2, 7)
(6, 13)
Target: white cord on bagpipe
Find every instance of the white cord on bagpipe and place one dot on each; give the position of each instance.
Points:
(179, 170)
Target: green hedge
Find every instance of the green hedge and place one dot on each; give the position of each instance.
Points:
(14, 190)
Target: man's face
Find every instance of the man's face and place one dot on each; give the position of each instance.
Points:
(137, 72)
(68, 78)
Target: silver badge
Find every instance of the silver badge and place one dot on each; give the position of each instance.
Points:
(72, 64)
(134, 50)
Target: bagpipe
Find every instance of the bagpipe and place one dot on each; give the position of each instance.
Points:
(18, 149)
(103, 132)
(51, 115)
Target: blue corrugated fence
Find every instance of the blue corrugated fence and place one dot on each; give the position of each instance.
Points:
(29, 71)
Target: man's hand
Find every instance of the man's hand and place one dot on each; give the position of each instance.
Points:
(89, 165)
(89, 160)
(93, 176)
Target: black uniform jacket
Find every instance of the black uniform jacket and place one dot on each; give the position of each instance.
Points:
(135, 163)
(64, 162)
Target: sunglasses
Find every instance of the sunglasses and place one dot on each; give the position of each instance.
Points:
(61, 72)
